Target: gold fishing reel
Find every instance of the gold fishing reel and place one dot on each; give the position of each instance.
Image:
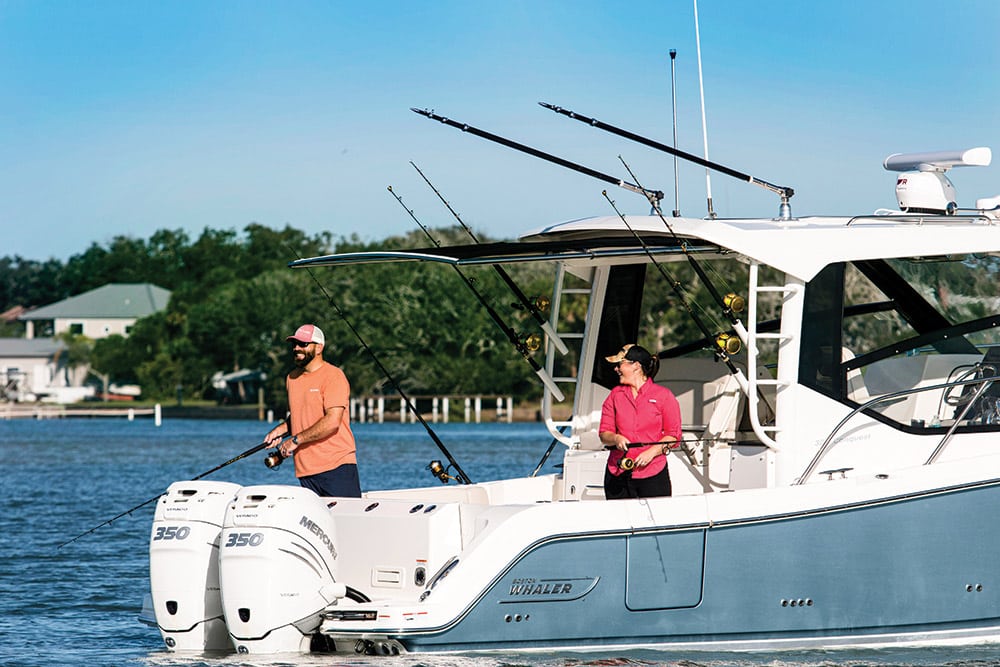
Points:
(531, 342)
(626, 464)
(728, 343)
(539, 303)
(734, 302)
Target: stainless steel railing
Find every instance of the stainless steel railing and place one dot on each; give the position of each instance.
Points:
(984, 382)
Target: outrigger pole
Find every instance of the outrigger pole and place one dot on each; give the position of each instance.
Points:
(785, 193)
(730, 302)
(461, 476)
(655, 194)
(518, 344)
(528, 304)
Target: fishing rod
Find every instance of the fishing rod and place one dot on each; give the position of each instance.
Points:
(725, 345)
(721, 349)
(548, 452)
(517, 342)
(785, 193)
(731, 303)
(627, 463)
(658, 195)
(531, 305)
(252, 450)
(461, 477)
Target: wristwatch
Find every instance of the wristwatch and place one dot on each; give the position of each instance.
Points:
(295, 440)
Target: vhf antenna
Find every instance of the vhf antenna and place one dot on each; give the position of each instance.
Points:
(673, 102)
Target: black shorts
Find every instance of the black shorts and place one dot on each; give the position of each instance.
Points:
(623, 486)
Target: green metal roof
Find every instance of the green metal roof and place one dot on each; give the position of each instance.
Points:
(114, 300)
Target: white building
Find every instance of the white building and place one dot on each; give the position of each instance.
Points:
(99, 313)
(36, 369)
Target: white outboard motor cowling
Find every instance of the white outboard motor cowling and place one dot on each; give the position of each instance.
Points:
(184, 565)
(277, 567)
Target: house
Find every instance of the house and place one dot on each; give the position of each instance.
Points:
(36, 369)
(99, 313)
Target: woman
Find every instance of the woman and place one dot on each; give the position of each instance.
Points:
(638, 411)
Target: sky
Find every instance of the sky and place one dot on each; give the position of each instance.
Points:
(124, 117)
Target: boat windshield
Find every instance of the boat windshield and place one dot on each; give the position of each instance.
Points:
(874, 328)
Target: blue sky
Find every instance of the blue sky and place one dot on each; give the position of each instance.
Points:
(125, 117)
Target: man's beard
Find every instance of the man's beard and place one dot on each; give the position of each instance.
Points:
(307, 356)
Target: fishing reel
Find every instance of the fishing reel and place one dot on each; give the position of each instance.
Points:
(539, 303)
(274, 459)
(627, 464)
(531, 342)
(727, 343)
(440, 472)
(734, 302)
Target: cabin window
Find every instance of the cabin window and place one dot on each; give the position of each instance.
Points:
(619, 318)
(76, 329)
(819, 365)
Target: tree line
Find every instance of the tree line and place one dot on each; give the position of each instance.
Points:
(234, 300)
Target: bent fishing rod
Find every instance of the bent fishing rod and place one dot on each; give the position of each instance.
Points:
(785, 193)
(460, 476)
(658, 195)
(512, 336)
(529, 304)
(252, 450)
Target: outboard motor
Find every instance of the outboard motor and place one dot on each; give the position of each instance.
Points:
(184, 565)
(277, 567)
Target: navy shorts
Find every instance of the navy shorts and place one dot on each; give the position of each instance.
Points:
(341, 482)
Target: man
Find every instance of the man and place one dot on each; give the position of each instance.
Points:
(319, 422)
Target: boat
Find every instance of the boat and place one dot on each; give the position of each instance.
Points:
(839, 471)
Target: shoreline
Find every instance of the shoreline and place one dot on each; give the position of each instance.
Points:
(95, 410)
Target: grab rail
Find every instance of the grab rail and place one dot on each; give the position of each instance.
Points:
(986, 383)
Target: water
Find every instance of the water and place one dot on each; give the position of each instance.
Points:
(78, 605)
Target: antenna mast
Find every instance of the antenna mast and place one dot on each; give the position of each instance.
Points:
(673, 101)
(704, 127)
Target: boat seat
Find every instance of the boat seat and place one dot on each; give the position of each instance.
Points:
(591, 441)
(708, 394)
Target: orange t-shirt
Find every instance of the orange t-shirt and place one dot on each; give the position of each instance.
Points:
(310, 395)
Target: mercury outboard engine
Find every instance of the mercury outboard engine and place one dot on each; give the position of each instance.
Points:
(277, 567)
(184, 565)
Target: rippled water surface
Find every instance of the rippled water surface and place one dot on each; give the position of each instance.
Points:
(78, 604)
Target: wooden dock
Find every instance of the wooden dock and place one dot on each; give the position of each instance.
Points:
(48, 411)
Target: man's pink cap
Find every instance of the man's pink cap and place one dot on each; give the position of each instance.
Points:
(308, 333)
